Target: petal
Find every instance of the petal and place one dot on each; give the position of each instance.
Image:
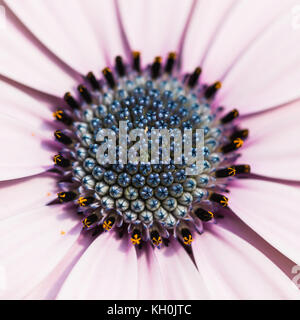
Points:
(150, 280)
(33, 244)
(233, 269)
(107, 270)
(24, 60)
(181, 279)
(270, 209)
(274, 76)
(31, 193)
(70, 32)
(256, 69)
(23, 133)
(49, 287)
(272, 148)
(154, 27)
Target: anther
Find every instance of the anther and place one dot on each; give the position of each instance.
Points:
(170, 62)
(108, 223)
(212, 90)
(219, 198)
(232, 146)
(155, 68)
(155, 238)
(71, 101)
(136, 237)
(88, 221)
(193, 79)
(186, 236)
(85, 93)
(203, 215)
(232, 171)
(109, 77)
(85, 201)
(120, 66)
(66, 196)
(61, 116)
(230, 116)
(136, 61)
(93, 81)
(61, 137)
(60, 161)
(242, 134)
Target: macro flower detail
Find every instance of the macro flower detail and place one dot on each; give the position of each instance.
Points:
(155, 199)
(89, 87)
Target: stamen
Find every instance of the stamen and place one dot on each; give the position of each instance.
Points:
(155, 238)
(230, 116)
(232, 171)
(109, 77)
(212, 90)
(193, 79)
(242, 134)
(88, 221)
(61, 116)
(155, 68)
(66, 196)
(170, 62)
(61, 137)
(85, 94)
(120, 66)
(186, 236)
(232, 146)
(93, 81)
(219, 198)
(71, 101)
(136, 61)
(84, 202)
(108, 223)
(204, 215)
(136, 237)
(60, 161)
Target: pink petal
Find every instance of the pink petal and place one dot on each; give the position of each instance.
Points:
(50, 286)
(180, 277)
(271, 149)
(26, 62)
(68, 30)
(233, 269)
(154, 27)
(107, 270)
(150, 280)
(262, 71)
(33, 243)
(270, 209)
(23, 134)
(30, 193)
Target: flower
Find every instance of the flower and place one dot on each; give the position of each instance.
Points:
(250, 250)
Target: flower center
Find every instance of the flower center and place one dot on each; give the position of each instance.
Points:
(154, 201)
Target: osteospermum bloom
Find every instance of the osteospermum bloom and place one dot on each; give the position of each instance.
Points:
(73, 227)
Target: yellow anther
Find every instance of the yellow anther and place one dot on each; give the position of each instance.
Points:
(232, 171)
(86, 223)
(106, 71)
(158, 59)
(135, 239)
(218, 85)
(211, 214)
(238, 142)
(188, 240)
(224, 202)
(156, 241)
(136, 54)
(57, 158)
(58, 114)
(61, 196)
(58, 133)
(107, 225)
(81, 201)
(172, 55)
